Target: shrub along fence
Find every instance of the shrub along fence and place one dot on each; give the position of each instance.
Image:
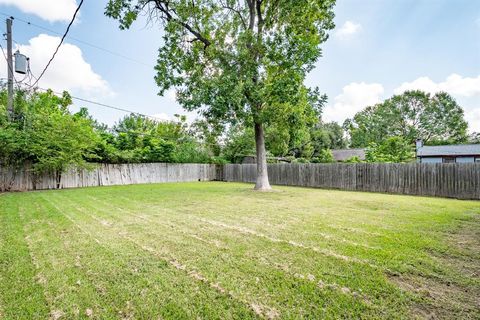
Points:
(452, 180)
(456, 180)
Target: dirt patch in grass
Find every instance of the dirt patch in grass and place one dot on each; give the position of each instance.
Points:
(435, 298)
(468, 236)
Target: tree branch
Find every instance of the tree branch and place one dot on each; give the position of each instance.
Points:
(226, 6)
(163, 7)
(251, 9)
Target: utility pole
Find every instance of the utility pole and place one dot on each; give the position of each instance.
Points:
(10, 67)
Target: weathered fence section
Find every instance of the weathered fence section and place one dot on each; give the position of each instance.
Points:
(455, 180)
(106, 175)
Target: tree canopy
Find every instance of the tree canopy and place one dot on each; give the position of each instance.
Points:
(239, 61)
(412, 115)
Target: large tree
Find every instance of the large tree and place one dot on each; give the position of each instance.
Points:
(238, 61)
(437, 119)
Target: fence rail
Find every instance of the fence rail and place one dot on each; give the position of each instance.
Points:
(456, 180)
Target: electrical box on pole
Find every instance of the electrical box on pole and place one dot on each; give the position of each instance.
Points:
(21, 62)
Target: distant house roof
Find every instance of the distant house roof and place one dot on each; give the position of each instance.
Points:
(345, 154)
(451, 150)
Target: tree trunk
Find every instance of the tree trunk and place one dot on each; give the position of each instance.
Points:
(262, 183)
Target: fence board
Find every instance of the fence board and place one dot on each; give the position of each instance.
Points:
(452, 180)
(107, 175)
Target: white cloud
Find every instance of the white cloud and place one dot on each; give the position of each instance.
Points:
(50, 10)
(68, 71)
(454, 84)
(354, 97)
(162, 116)
(348, 29)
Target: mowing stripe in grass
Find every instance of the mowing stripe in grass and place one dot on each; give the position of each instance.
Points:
(356, 251)
(171, 225)
(396, 242)
(38, 276)
(267, 312)
(309, 277)
(241, 230)
(20, 296)
(259, 309)
(58, 251)
(195, 206)
(160, 218)
(245, 231)
(321, 234)
(270, 238)
(152, 235)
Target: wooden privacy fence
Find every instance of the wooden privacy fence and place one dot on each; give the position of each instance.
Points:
(452, 180)
(106, 175)
(455, 180)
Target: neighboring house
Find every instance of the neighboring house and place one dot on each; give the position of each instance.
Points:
(459, 153)
(341, 155)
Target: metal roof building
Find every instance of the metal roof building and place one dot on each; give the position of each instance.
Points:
(460, 153)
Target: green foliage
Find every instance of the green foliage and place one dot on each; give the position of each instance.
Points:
(327, 136)
(208, 134)
(474, 137)
(139, 139)
(354, 159)
(324, 156)
(414, 114)
(393, 149)
(300, 160)
(239, 142)
(241, 62)
(45, 134)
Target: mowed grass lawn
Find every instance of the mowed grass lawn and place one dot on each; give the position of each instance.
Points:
(213, 250)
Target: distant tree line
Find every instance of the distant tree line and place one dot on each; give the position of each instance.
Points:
(46, 134)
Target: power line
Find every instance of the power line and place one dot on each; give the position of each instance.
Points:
(61, 41)
(53, 56)
(96, 103)
(78, 98)
(105, 105)
(79, 41)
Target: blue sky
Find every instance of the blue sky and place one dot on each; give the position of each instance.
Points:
(377, 49)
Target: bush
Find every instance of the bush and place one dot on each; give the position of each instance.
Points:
(300, 160)
(324, 156)
(354, 159)
(393, 149)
